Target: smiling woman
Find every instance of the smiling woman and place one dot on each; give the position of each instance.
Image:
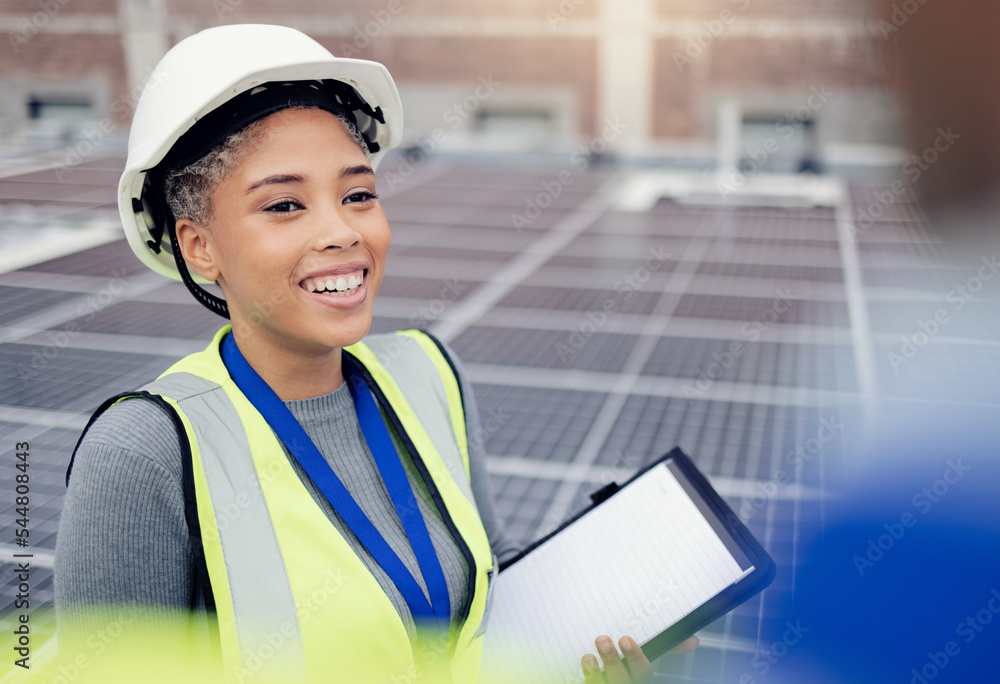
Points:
(295, 237)
(300, 500)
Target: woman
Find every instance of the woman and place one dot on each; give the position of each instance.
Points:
(252, 154)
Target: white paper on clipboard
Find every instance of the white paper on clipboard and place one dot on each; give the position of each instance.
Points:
(636, 564)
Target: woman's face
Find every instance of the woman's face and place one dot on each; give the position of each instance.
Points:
(296, 218)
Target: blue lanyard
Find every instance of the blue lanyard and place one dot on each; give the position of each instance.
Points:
(376, 435)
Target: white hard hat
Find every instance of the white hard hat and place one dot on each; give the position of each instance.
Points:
(216, 78)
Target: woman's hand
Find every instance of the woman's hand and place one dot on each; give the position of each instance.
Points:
(638, 664)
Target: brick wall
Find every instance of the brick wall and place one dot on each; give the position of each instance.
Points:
(759, 49)
(64, 6)
(51, 57)
(558, 62)
(360, 10)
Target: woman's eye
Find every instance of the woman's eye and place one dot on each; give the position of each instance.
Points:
(283, 207)
(361, 196)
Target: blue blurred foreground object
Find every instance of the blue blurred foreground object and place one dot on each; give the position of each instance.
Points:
(902, 582)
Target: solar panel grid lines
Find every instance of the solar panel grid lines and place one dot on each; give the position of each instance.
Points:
(593, 393)
(526, 263)
(565, 498)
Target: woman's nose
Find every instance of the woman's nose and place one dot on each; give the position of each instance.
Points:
(334, 232)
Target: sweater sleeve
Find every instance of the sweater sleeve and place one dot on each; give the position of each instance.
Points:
(122, 536)
(501, 543)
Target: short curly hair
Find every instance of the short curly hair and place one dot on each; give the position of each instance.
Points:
(188, 189)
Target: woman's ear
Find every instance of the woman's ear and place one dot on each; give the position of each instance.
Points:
(196, 248)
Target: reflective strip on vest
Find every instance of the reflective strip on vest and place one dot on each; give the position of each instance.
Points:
(292, 595)
(242, 525)
(419, 376)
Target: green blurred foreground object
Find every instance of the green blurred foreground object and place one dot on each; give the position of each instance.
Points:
(145, 645)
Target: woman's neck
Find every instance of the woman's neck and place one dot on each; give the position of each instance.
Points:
(292, 374)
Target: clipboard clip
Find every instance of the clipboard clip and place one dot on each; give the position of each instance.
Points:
(604, 492)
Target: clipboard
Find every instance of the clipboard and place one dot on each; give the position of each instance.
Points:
(712, 530)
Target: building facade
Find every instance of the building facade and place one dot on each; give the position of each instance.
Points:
(641, 75)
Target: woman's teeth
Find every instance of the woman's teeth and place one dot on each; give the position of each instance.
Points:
(338, 285)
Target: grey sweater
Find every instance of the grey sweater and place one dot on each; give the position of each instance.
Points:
(123, 538)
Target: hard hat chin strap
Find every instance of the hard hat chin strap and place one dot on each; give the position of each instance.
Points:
(214, 304)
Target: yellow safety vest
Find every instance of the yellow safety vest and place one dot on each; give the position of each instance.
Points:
(293, 601)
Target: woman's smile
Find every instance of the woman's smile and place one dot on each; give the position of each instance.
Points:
(339, 287)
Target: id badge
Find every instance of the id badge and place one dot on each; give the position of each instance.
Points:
(491, 576)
